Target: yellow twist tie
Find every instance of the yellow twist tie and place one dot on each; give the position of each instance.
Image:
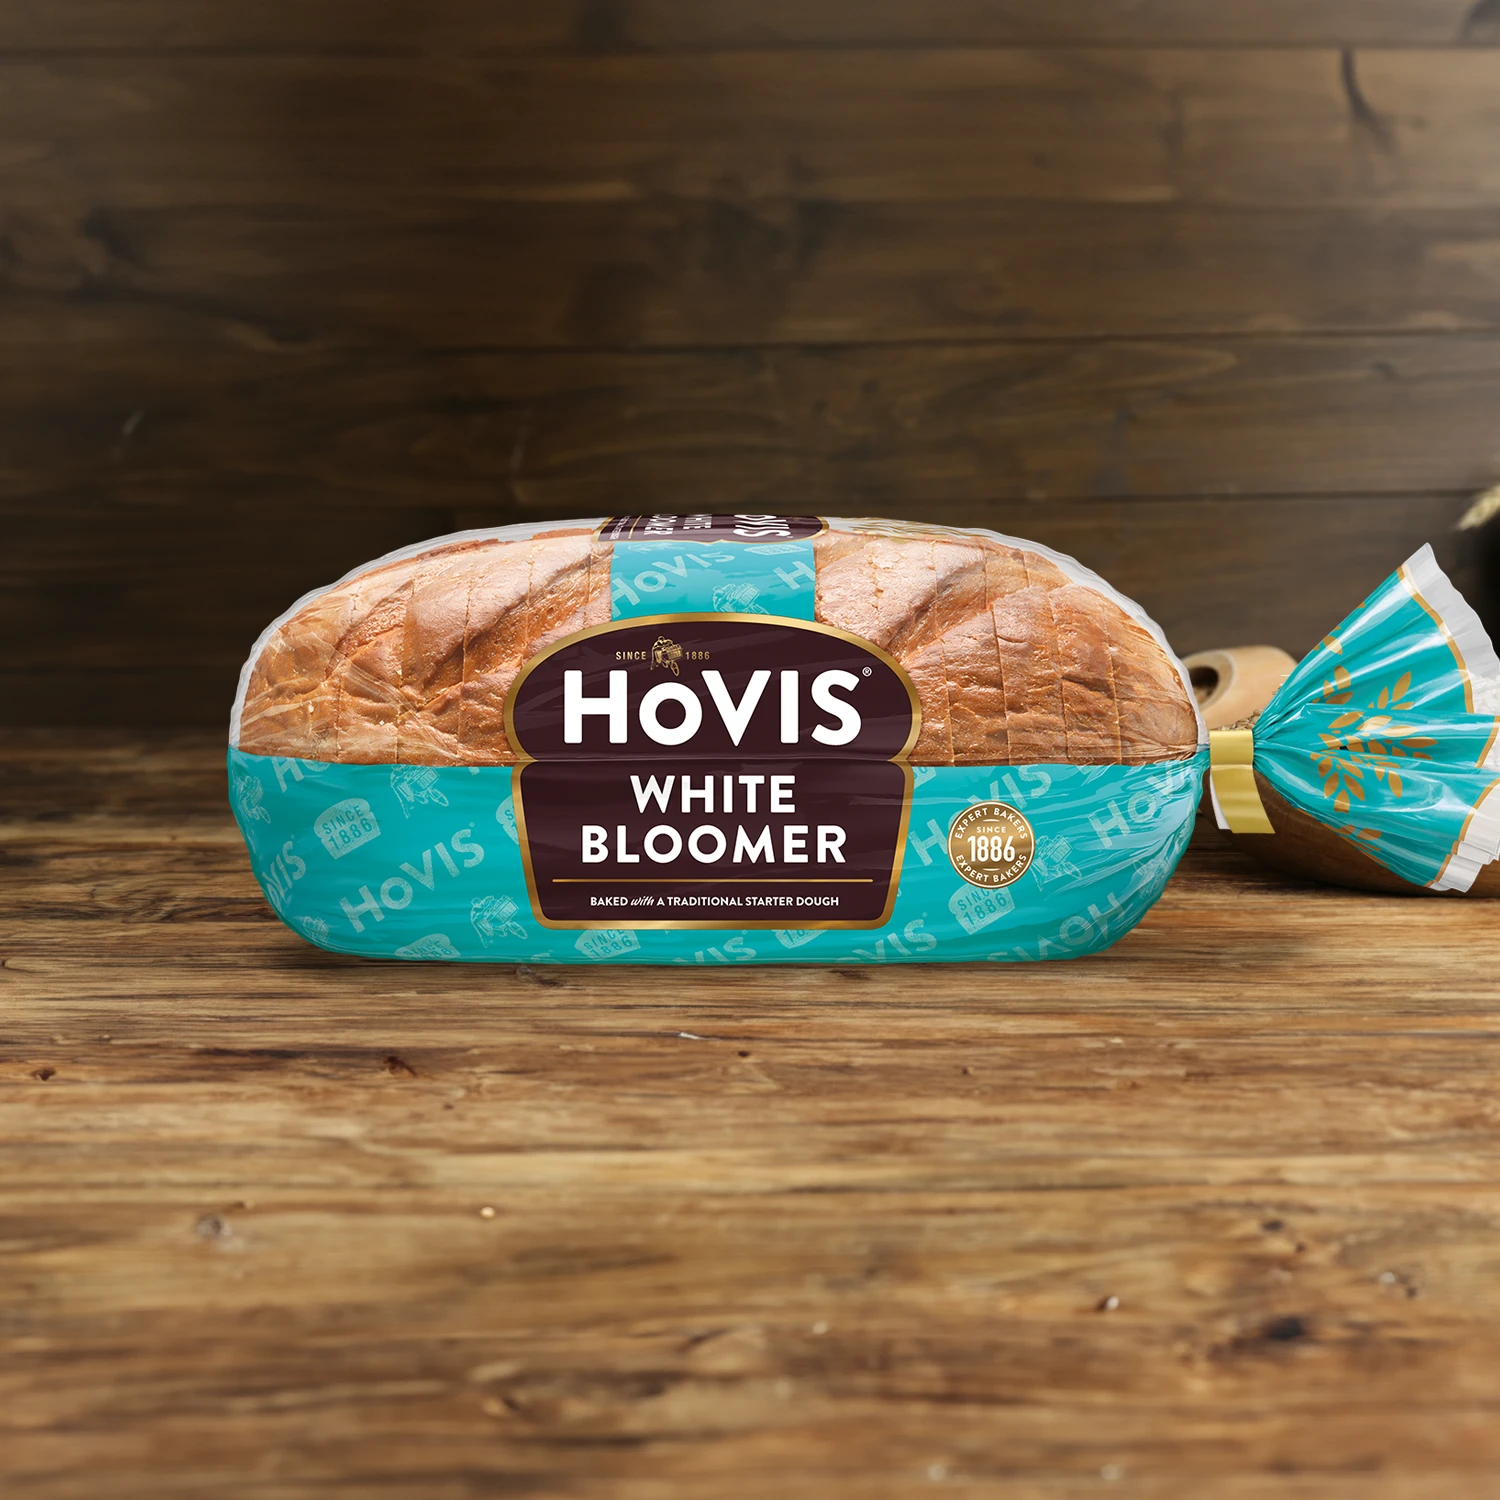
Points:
(1231, 762)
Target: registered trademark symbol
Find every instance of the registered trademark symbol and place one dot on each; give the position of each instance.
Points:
(866, 670)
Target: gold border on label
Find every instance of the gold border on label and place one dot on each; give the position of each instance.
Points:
(721, 923)
(522, 757)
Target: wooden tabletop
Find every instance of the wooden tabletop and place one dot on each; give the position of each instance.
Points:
(1214, 1213)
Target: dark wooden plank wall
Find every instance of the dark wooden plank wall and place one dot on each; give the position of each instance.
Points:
(1208, 295)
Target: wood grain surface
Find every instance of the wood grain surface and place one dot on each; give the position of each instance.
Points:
(863, 427)
(1214, 1212)
(1310, 128)
(1205, 294)
(592, 26)
(669, 272)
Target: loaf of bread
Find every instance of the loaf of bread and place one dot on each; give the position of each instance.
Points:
(1014, 660)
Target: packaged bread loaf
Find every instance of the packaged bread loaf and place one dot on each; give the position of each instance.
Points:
(1373, 764)
(716, 739)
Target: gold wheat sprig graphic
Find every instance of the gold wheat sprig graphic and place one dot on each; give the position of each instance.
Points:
(1371, 740)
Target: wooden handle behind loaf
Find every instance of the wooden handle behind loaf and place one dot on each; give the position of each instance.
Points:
(1233, 683)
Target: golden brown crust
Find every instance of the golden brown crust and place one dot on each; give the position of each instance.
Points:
(1012, 662)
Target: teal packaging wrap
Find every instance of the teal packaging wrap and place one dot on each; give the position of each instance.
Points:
(775, 811)
(425, 862)
(1385, 732)
(717, 572)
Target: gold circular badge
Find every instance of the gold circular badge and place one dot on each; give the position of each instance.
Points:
(991, 844)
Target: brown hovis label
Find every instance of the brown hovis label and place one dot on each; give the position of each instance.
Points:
(712, 770)
(711, 528)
